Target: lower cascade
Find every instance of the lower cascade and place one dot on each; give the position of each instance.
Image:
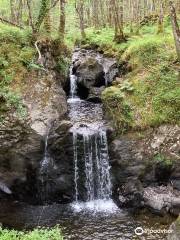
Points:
(92, 179)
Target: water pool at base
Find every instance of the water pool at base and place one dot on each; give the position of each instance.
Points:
(86, 224)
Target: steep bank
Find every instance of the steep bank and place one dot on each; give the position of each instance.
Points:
(32, 98)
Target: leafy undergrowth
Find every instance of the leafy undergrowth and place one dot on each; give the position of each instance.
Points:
(16, 55)
(149, 95)
(37, 234)
(18, 60)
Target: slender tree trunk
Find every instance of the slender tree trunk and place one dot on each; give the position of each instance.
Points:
(161, 19)
(79, 5)
(13, 14)
(19, 12)
(176, 30)
(62, 19)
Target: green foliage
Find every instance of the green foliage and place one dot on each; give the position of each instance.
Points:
(26, 55)
(126, 86)
(151, 92)
(15, 54)
(146, 51)
(117, 108)
(159, 158)
(9, 34)
(63, 65)
(11, 100)
(37, 234)
(156, 97)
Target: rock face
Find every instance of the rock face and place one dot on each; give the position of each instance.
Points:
(174, 230)
(22, 141)
(21, 150)
(90, 73)
(93, 71)
(45, 100)
(149, 161)
(58, 173)
(162, 199)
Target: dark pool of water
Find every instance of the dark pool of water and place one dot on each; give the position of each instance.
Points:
(119, 225)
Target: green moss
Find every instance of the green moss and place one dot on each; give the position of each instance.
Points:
(159, 158)
(151, 90)
(37, 234)
(15, 55)
(117, 108)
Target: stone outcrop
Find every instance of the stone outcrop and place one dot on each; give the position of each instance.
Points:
(45, 100)
(93, 71)
(151, 160)
(90, 73)
(175, 230)
(21, 150)
(59, 172)
(22, 141)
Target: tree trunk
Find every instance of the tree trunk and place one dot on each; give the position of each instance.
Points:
(62, 19)
(13, 14)
(79, 5)
(42, 14)
(161, 19)
(175, 27)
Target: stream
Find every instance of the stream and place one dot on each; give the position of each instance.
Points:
(93, 215)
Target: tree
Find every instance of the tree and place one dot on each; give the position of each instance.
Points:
(175, 26)
(45, 7)
(118, 21)
(79, 6)
(161, 18)
(62, 19)
(12, 6)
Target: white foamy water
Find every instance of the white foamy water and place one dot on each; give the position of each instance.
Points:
(95, 206)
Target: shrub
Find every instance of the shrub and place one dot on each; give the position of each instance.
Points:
(36, 234)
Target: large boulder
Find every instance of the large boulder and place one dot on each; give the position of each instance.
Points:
(21, 150)
(162, 199)
(90, 73)
(45, 100)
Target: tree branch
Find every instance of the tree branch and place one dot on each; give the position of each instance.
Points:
(10, 23)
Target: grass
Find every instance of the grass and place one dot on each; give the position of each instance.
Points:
(37, 234)
(17, 61)
(15, 56)
(149, 95)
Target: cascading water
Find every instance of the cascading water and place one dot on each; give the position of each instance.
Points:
(44, 186)
(91, 160)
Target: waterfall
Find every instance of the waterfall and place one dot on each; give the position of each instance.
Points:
(73, 85)
(44, 187)
(92, 178)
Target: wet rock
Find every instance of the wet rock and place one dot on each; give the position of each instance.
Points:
(90, 73)
(151, 159)
(130, 195)
(162, 199)
(59, 170)
(174, 230)
(93, 70)
(95, 94)
(21, 150)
